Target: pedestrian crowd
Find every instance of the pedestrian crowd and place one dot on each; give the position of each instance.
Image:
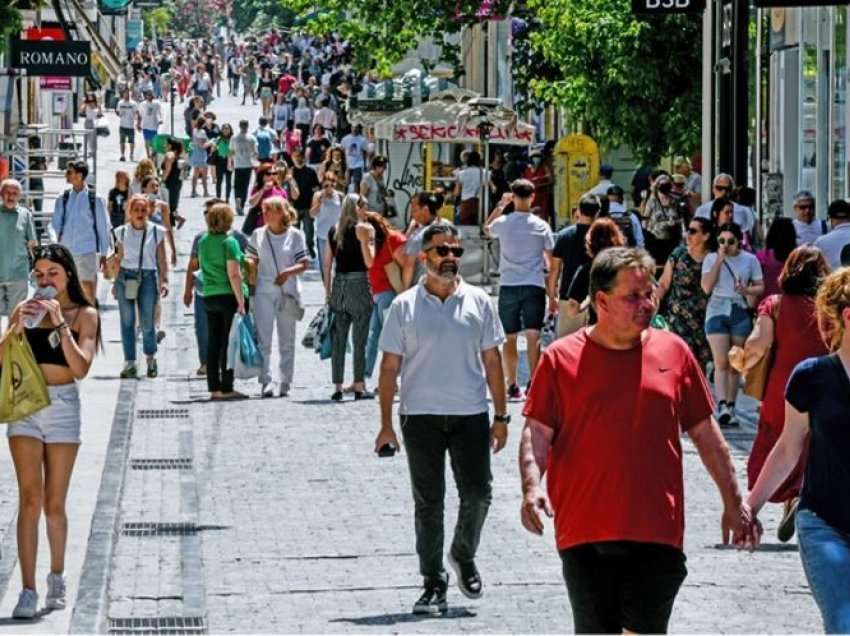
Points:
(675, 299)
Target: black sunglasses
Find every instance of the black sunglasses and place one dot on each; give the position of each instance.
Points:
(48, 252)
(723, 188)
(730, 242)
(694, 230)
(445, 250)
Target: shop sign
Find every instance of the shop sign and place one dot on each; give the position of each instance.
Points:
(412, 133)
(57, 59)
(51, 32)
(797, 3)
(662, 7)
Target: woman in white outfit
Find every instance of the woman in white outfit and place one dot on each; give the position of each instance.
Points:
(280, 253)
(325, 210)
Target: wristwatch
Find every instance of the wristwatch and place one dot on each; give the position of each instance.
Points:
(504, 419)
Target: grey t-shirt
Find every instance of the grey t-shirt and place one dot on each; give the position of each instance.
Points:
(375, 197)
(244, 148)
(523, 237)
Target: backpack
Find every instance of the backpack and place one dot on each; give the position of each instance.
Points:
(624, 222)
(92, 206)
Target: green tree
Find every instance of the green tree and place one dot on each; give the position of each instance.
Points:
(632, 81)
(158, 19)
(10, 23)
(262, 13)
(383, 32)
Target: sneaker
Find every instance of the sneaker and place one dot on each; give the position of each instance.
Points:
(785, 531)
(122, 158)
(55, 592)
(468, 578)
(27, 604)
(515, 393)
(723, 414)
(160, 336)
(337, 396)
(733, 418)
(267, 391)
(202, 370)
(153, 369)
(284, 390)
(364, 395)
(130, 372)
(433, 599)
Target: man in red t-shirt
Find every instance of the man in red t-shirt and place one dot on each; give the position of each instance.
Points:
(604, 416)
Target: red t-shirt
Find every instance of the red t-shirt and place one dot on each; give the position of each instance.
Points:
(285, 83)
(615, 467)
(377, 274)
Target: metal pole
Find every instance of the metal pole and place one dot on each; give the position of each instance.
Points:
(484, 208)
(708, 170)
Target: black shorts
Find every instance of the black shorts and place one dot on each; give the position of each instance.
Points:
(127, 135)
(622, 585)
(522, 307)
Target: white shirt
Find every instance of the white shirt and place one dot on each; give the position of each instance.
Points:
(741, 215)
(325, 117)
(329, 211)
(694, 182)
(746, 267)
(601, 188)
(127, 110)
(131, 240)
(354, 146)
(471, 179)
(523, 237)
(833, 242)
(151, 114)
(440, 344)
(277, 252)
(808, 233)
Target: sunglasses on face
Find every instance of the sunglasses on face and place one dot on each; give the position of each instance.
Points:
(694, 230)
(445, 250)
(731, 242)
(723, 188)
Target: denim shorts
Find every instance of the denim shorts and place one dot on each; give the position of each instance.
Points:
(522, 307)
(734, 321)
(58, 423)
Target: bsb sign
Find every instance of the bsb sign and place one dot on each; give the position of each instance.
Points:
(57, 59)
(663, 7)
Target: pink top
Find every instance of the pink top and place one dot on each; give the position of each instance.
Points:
(771, 267)
(274, 191)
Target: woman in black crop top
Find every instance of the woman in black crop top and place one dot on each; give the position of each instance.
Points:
(64, 345)
(350, 296)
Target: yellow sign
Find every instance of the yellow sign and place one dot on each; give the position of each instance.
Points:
(576, 171)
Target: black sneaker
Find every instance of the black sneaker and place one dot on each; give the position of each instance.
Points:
(433, 599)
(515, 393)
(337, 396)
(468, 578)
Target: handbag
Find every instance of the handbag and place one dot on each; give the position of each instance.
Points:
(23, 390)
(101, 128)
(131, 285)
(313, 333)
(755, 380)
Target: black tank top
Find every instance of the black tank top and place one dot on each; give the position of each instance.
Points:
(44, 353)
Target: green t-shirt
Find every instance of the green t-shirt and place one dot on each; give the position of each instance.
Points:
(16, 231)
(222, 147)
(214, 250)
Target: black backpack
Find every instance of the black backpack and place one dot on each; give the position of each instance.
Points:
(624, 222)
(92, 207)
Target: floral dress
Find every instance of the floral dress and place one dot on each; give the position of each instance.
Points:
(686, 304)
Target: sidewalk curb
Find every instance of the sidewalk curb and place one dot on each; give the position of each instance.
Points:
(91, 606)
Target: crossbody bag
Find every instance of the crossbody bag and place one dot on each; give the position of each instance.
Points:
(131, 285)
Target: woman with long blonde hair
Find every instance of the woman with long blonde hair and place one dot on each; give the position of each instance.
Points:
(145, 168)
(349, 248)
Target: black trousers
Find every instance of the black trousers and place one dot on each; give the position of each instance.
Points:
(220, 313)
(427, 438)
(306, 224)
(223, 175)
(242, 179)
(622, 585)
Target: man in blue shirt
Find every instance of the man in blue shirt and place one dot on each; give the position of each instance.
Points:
(265, 137)
(81, 223)
(17, 237)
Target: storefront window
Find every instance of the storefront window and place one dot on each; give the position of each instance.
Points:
(838, 116)
(809, 100)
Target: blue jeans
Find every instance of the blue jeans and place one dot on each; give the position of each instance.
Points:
(376, 325)
(146, 303)
(201, 329)
(825, 552)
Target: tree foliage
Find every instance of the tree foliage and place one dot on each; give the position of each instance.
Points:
(196, 18)
(264, 14)
(383, 32)
(632, 81)
(10, 22)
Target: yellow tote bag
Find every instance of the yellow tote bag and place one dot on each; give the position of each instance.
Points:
(23, 390)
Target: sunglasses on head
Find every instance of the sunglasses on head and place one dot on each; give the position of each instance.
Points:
(445, 250)
(48, 252)
(730, 241)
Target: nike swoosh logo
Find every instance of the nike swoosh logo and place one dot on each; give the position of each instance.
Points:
(663, 370)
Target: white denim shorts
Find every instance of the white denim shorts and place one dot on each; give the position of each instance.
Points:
(87, 265)
(58, 423)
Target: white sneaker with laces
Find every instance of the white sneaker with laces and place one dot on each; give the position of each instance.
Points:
(55, 592)
(27, 604)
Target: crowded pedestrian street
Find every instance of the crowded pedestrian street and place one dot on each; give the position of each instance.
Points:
(290, 343)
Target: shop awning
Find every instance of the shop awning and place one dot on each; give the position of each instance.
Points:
(111, 63)
(445, 119)
(114, 7)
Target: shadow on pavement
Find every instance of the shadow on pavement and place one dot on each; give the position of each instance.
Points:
(407, 617)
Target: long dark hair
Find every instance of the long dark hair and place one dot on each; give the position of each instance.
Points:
(431, 200)
(382, 229)
(781, 238)
(59, 254)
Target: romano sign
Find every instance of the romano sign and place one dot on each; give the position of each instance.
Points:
(57, 59)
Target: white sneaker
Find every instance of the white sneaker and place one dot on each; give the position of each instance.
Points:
(27, 604)
(55, 592)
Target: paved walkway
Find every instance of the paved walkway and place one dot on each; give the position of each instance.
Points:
(276, 516)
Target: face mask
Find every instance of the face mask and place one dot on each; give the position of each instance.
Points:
(536, 161)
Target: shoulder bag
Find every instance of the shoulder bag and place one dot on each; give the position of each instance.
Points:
(755, 380)
(131, 285)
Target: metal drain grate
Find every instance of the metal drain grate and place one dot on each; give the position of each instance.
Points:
(156, 529)
(162, 414)
(178, 463)
(159, 625)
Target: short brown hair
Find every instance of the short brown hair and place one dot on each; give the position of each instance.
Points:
(832, 299)
(603, 233)
(220, 218)
(610, 262)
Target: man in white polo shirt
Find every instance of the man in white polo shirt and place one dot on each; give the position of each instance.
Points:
(444, 336)
(838, 237)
